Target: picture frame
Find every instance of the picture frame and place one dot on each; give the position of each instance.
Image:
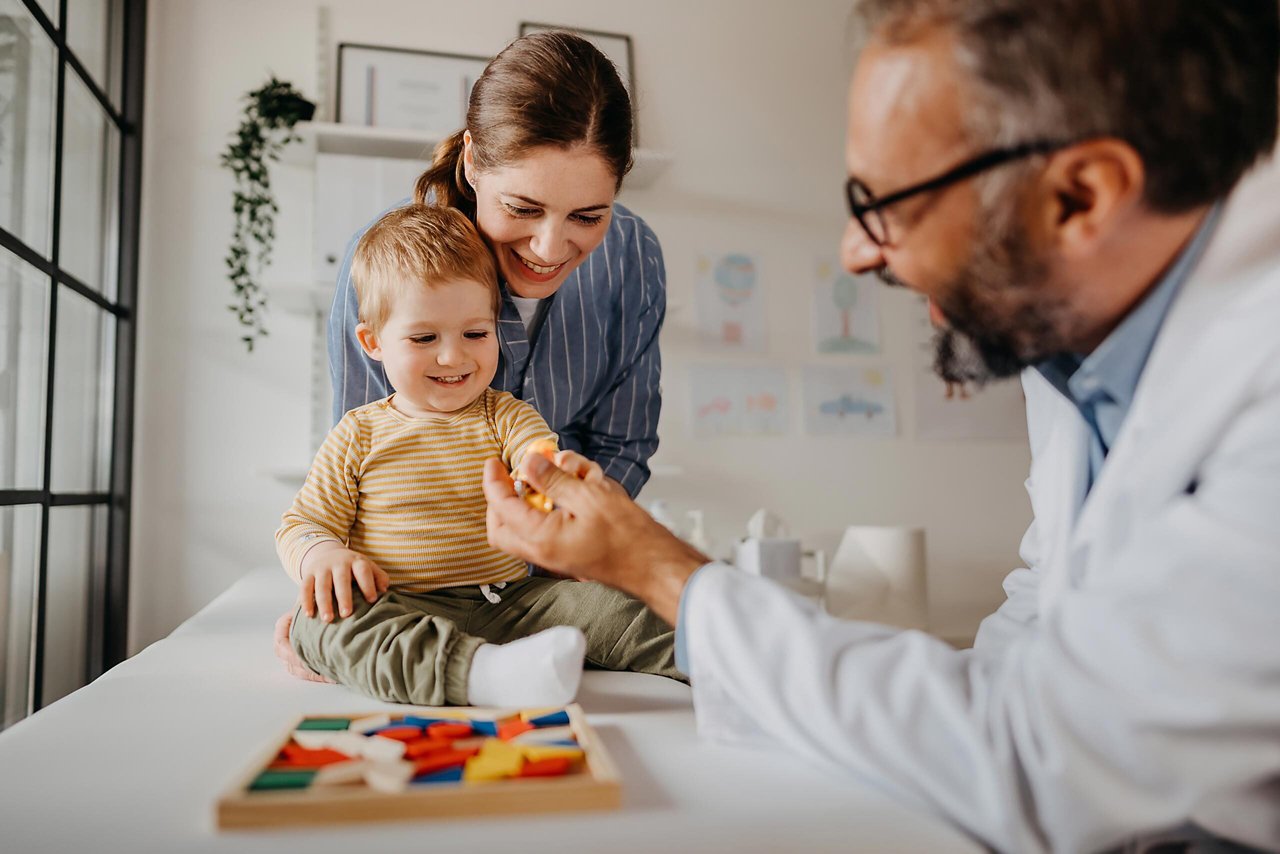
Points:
(615, 46)
(403, 88)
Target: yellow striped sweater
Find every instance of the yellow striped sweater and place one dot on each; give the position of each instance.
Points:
(406, 492)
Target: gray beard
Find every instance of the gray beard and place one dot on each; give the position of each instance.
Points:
(1000, 320)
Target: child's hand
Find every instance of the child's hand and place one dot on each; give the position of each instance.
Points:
(328, 571)
(579, 466)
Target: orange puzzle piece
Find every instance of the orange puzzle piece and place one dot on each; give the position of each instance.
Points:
(448, 731)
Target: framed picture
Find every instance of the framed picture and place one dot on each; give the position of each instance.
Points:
(395, 87)
(615, 46)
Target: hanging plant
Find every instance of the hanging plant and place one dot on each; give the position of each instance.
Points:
(266, 128)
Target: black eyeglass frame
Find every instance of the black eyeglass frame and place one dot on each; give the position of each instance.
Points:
(974, 166)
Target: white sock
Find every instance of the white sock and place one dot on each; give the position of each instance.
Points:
(540, 670)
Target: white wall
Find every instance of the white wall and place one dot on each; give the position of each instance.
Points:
(748, 99)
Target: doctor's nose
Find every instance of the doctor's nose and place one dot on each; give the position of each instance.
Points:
(858, 254)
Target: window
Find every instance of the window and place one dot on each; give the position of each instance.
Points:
(70, 123)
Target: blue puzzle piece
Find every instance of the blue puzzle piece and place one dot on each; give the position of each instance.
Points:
(448, 775)
(414, 720)
(560, 718)
(489, 728)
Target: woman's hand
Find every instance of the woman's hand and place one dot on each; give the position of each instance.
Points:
(596, 532)
(328, 571)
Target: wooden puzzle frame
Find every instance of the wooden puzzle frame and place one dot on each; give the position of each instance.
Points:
(597, 787)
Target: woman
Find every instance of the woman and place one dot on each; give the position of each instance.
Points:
(547, 144)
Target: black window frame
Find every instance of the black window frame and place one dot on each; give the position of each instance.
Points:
(108, 592)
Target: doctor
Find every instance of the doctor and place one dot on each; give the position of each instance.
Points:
(1074, 185)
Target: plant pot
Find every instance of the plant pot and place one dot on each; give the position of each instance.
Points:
(289, 108)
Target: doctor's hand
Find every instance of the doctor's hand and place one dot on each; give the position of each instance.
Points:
(596, 532)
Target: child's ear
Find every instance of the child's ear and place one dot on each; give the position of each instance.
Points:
(368, 341)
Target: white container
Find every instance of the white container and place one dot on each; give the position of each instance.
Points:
(769, 557)
(878, 574)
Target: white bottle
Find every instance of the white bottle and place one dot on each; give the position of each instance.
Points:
(697, 532)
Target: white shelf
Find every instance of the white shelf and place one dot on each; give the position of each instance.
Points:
(334, 138)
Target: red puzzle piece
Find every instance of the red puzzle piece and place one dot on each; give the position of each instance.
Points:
(553, 767)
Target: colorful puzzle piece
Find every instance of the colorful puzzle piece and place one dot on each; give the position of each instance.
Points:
(446, 759)
(496, 760)
(325, 724)
(538, 752)
(449, 730)
(296, 756)
(398, 733)
(341, 773)
(448, 775)
(271, 780)
(508, 730)
(547, 718)
(553, 767)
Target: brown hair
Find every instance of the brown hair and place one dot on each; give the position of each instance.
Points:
(551, 88)
(418, 244)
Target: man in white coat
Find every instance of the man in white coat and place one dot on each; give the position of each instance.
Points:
(1074, 184)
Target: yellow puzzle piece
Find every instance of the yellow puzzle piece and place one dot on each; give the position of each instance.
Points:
(496, 760)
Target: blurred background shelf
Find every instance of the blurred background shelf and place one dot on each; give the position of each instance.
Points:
(358, 140)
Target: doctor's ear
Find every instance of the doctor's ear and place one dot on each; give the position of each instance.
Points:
(1087, 188)
(368, 341)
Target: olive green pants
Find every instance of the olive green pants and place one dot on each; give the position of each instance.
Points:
(417, 647)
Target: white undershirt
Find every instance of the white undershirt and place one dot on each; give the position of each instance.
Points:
(528, 308)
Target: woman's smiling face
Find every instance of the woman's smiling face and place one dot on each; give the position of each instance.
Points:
(543, 214)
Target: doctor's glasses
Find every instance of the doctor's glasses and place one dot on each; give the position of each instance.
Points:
(869, 210)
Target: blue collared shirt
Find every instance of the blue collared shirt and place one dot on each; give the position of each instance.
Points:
(1101, 385)
(592, 369)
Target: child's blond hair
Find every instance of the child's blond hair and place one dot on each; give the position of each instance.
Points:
(422, 244)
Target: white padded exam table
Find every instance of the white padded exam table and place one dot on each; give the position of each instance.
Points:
(135, 761)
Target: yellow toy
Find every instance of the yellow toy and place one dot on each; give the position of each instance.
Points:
(545, 448)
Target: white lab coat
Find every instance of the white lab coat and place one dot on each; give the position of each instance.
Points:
(1131, 681)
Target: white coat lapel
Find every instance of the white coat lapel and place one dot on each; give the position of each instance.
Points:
(1060, 454)
(1197, 358)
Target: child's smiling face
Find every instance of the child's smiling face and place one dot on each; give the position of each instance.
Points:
(439, 346)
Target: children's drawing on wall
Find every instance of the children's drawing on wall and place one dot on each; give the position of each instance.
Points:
(947, 411)
(730, 302)
(846, 311)
(738, 400)
(854, 400)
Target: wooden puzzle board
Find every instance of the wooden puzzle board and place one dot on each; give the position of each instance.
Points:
(295, 784)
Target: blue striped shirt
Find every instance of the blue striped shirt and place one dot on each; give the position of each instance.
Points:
(593, 369)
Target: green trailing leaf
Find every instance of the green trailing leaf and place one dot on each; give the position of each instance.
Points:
(266, 128)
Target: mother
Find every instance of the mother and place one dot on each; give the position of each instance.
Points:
(547, 144)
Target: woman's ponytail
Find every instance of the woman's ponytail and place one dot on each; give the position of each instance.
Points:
(445, 182)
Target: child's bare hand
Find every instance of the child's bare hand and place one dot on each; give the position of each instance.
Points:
(328, 571)
(579, 466)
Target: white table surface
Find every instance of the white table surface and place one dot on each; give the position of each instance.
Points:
(136, 760)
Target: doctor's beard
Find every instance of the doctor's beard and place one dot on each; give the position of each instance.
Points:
(999, 314)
